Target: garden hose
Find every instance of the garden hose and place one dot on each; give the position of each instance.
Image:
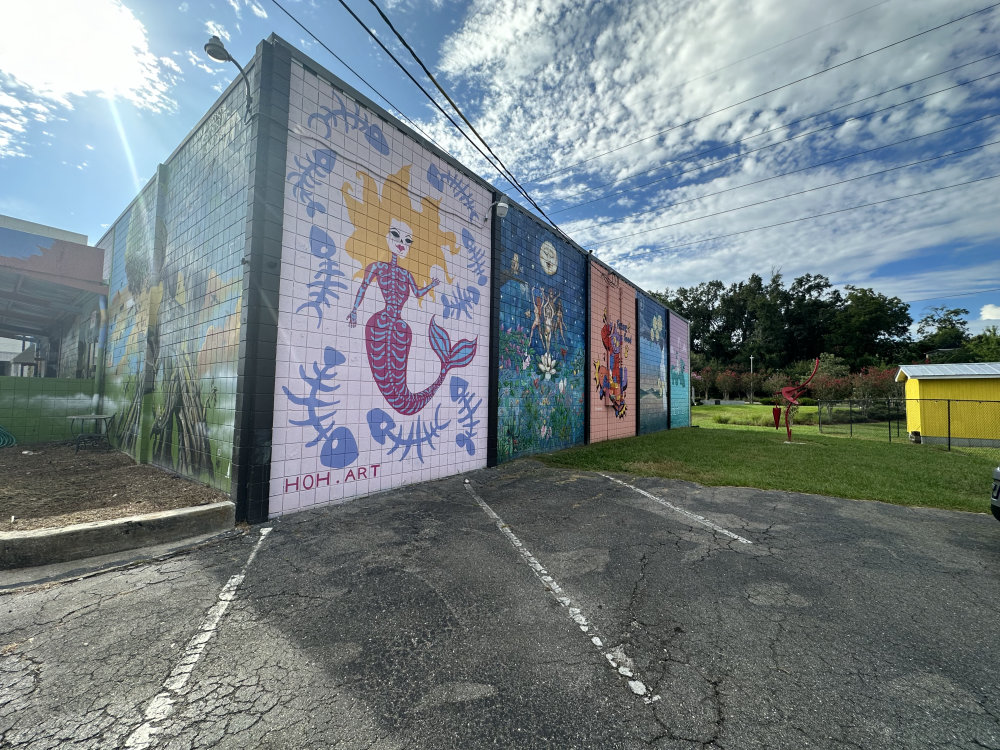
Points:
(6, 439)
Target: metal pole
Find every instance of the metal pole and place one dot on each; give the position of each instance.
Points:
(889, 416)
(949, 424)
(850, 415)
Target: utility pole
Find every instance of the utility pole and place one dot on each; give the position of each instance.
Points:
(751, 378)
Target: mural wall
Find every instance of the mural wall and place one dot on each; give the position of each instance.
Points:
(654, 401)
(174, 303)
(383, 325)
(542, 339)
(680, 371)
(612, 355)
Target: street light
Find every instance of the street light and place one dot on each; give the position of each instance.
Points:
(217, 51)
(751, 378)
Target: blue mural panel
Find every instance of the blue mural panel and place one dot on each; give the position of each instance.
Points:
(542, 309)
(654, 402)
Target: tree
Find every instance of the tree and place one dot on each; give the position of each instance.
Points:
(870, 328)
(984, 347)
(728, 381)
(941, 330)
(700, 305)
(809, 315)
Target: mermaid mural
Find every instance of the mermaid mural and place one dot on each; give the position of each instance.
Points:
(389, 221)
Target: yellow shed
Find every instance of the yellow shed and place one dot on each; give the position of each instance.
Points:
(957, 404)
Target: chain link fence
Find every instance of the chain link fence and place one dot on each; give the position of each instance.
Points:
(947, 422)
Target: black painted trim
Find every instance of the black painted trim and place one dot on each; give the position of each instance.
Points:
(262, 269)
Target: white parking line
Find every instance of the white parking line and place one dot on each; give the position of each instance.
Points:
(162, 705)
(693, 516)
(614, 657)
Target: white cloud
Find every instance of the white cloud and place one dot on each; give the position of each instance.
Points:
(575, 82)
(257, 9)
(96, 48)
(989, 312)
(217, 29)
(183, 7)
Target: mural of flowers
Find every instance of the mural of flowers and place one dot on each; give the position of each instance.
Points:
(547, 366)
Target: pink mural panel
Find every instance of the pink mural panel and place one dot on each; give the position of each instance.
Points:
(613, 358)
(383, 327)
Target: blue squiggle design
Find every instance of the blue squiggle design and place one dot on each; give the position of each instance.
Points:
(352, 121)
(420, 434)
(459, 188)
(466, 414)
(340, 449)
(322, 246)
(477, 256)
(304, 182)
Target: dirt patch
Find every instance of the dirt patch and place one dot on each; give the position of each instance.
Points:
(52, 485)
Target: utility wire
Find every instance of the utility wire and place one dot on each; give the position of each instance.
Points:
(765, 93)
(786, 174)
(802, 218)
(777, 46)
(949, 296)
(360, 77)
(509, 175)
(770, 145)
(499, 168)
(388, 52)
(823, 187)
(691, 157)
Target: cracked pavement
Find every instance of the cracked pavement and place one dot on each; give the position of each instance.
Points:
(406, 620)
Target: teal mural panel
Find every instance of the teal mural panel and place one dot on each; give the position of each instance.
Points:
(542, 344)
(680, 371)
(654, 401)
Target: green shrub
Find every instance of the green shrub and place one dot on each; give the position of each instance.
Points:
(806, 401)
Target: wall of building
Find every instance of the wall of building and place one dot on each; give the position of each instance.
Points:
(680, 370)
(382, 368)
(542, 345)
(612, 360)
(174, 303)
(35, 410)
(654, 395)
(972, 418)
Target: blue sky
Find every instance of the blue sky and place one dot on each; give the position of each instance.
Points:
(603, 110)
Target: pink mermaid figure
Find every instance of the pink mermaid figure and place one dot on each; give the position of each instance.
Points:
(387, 335)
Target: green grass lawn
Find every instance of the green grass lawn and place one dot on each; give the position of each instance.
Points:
(896, 472)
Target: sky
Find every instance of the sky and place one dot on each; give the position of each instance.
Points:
(681, 140)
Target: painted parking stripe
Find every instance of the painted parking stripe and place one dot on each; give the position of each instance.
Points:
(162, 706)
(693, 516)
(613, 657)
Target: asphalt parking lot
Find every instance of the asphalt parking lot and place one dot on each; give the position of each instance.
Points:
(528, 608)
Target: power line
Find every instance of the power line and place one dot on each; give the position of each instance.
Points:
(782, 127)
(823, 187)
(790, 172)
(339, 59)
(802, 218)
(394, 59)
(777, 46)
(743, 154)
(765, 93)
(510, 175)
(950, 296)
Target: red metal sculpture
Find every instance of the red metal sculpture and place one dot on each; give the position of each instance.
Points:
(791, 395)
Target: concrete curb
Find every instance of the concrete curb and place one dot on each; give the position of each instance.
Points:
(24, 549)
